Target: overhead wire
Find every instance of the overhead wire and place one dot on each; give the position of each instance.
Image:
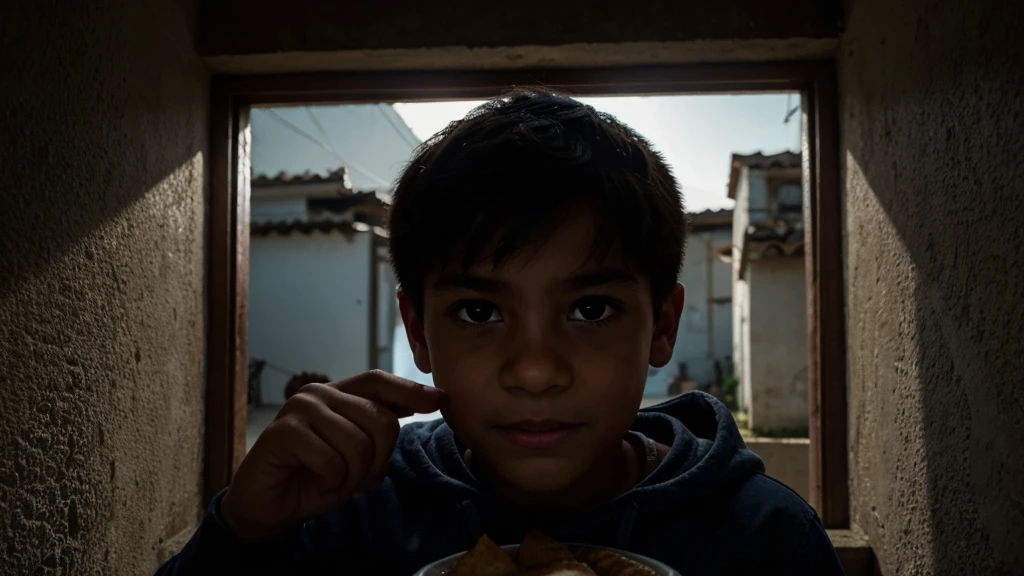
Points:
(344, 162)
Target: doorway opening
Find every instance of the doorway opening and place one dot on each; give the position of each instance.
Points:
(303, 291)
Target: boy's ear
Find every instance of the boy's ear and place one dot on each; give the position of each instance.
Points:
(666, 327)
(414, 331)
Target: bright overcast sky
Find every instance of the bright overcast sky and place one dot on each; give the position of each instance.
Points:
(697, 134)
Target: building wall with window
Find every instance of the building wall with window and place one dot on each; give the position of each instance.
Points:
(769, 293)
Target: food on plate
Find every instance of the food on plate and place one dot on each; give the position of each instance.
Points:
(539, 555)
(608, 563)
(485, 559)
(562, 569)
(538, 551)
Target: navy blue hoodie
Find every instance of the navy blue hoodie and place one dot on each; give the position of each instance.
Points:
(708, 508)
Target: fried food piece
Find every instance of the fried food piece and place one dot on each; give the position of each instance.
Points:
(539, 551)
(484, 559)
(608, 563)
(561, 568)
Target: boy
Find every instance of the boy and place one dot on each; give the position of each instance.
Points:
(537, 244)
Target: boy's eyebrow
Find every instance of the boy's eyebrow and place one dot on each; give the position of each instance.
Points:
(601, 277)
(458, 280)
(583, 281)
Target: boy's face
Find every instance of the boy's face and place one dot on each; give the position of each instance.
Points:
(544, 359)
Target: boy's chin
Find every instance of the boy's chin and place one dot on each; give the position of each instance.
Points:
(542, 477)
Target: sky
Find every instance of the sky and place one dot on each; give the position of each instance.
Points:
(696, 134)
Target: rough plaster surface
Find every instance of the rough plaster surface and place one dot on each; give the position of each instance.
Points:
(103, 125)
(933, 135)
(266, 26)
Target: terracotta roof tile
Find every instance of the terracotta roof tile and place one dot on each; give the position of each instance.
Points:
(711, 219)
(305, 227)
(307, 177)
(759, 161)
(763, 162)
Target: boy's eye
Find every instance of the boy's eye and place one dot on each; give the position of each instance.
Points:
(591, 310)
(479, 312)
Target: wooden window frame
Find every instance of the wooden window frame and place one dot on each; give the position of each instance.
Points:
(228, 247)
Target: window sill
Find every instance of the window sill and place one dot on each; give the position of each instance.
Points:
(854, 552)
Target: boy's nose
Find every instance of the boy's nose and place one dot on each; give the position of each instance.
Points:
(535, 365)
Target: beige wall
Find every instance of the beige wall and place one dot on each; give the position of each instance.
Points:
(932, 130)
(777, 344)
(102, 138)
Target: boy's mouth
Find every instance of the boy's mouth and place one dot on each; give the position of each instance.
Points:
(539, 433)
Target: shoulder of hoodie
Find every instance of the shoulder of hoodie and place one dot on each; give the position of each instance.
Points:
(763, 506)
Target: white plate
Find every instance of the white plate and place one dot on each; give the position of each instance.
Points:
(443, 565)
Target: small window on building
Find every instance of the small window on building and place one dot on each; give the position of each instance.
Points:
(790, 200)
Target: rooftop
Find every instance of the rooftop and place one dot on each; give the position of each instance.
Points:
(759, 161)
(307, 177)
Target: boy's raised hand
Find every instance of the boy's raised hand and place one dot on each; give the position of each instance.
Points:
(328, 442)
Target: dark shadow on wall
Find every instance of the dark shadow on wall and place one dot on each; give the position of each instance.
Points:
(261, 26)
(933, 127)
(80, 141)
(103, 129)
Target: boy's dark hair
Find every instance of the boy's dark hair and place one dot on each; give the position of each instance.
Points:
(512, 171)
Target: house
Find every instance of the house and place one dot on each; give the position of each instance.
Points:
(703, 350)
(321, 290)
(769, 295)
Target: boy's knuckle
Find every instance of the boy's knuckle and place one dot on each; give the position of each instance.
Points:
(307, 399)
(375, 374)
(289, 426)
(312, 389)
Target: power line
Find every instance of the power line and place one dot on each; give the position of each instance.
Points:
(790, 111)
(346, 163)
(404, 134)
(319, 127)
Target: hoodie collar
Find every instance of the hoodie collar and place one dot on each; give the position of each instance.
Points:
(706, 455)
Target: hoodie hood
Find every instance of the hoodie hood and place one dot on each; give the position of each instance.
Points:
(706, 456)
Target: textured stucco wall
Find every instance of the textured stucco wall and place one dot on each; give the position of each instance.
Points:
(932, 140)
(103, 125)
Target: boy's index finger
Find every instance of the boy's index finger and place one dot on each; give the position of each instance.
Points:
(402, 396)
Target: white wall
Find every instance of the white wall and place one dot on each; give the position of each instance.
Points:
(387, 311)
(705, 330)
(741, 340)
(309, 306)
(740, 291)
(778, 343)
(278, 210)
